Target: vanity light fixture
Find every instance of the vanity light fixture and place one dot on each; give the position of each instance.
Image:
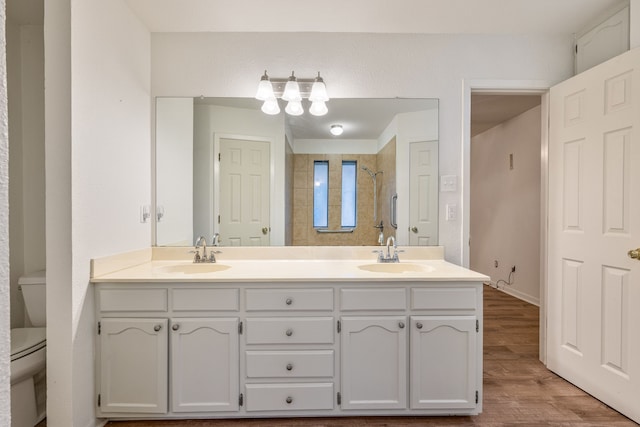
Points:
(293, 90)
(336, 130)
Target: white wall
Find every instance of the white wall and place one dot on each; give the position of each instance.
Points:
(505, 204)
(25, 75)
(363, 66)
(226, 121)
(5, 356)
(98, 174)
(174, 171)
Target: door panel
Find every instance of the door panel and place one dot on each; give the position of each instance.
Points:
(594, 220)
(244, 192)
(423, 193)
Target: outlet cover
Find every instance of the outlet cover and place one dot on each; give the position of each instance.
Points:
(452, 212)
(448, 183)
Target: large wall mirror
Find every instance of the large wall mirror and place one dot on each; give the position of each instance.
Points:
(223, 166)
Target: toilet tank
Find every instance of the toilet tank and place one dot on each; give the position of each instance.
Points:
(34, 294)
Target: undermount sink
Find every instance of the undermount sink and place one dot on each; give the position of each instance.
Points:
(194, 268)
(396, 267)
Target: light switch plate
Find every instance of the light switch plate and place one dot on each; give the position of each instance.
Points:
(448, 183)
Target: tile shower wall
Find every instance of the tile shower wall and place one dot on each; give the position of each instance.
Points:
(303, 232)
(386, 161)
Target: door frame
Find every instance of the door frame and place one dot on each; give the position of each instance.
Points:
(510, 87)
(215, 174)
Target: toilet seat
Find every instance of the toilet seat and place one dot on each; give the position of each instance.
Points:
(25, 341)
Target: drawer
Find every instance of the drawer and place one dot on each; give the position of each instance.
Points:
(290, 330)
(289, 299)
(205, 299)
(443, 299)
(353, 299)
(290, 364)
(114, 300)
(289, 397)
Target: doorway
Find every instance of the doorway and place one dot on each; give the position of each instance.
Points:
(505, 184)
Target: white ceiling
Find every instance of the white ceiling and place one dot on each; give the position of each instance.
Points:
(371, 16)
(361, 118)
(488, 111)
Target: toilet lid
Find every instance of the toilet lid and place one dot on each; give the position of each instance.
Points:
(25, 341)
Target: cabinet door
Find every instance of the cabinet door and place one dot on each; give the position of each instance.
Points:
(204, 365)
(443, 362)
(133, 365)
(374, 362)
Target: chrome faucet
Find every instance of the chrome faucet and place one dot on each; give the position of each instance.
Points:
(391, 241)
(216, 239)
(201, 241)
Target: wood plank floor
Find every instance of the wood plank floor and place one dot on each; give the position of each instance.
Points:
(518, 389)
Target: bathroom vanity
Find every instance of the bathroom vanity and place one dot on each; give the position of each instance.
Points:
(283, 332)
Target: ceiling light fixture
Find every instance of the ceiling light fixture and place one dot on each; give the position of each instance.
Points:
(293, 91)
(336, 130)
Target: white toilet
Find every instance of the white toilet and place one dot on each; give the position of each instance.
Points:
(28, 356)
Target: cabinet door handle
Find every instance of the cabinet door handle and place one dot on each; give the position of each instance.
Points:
(175, 326)
(419, 325)
(289, 367)
(401, 325)
(289, 301)
(289, 399)
(157, 328)
(289, 332)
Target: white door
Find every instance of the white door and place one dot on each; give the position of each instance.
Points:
(244, 192)
(204, 365)
(594, 220)
(423, 193)
(374, 362)
(443, 362)
(133, 366)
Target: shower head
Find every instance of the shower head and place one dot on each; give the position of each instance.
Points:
(370, 172)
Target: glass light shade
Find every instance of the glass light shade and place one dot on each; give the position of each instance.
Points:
(336, 130)
(291, 90)
(294, 108)
(318, 108)
(265, 90)
(271, 106)
(318, 91)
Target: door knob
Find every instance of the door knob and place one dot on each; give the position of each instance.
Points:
(289, 332)
(265, 230)
(157, 328)
(175, 326)
(414, 229)
(634, 254)
(419, 325)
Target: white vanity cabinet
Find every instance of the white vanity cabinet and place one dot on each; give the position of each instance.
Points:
(204, 364)
(133, 370)
(373, 362)
(226, 349)
(289, 349)
(164, 350)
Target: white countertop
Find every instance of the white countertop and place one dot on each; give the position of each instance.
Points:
(415, 267)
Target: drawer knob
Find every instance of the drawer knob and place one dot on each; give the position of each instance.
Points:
(419, 325)
(289, 301)
(289, 332)
(157, 328)
(401, 325)
(289, 367)
(175, 327)
(289, 399)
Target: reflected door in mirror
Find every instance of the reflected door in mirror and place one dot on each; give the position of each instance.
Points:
(423, 190)
(244, 192)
